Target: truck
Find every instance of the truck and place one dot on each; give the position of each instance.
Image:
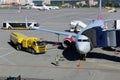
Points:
(76, 25)
(31, 44)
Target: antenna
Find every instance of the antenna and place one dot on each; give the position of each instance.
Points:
(99, 12)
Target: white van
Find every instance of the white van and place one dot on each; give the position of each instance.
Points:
(76, 25)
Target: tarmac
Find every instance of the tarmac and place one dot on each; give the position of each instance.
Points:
(100, 64)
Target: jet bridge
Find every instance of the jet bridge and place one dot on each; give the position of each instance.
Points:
(103, 38)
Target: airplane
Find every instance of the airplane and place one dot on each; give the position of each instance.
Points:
(53, 7)
(43, 7)
(50, 7)
(83, 43)
(32, 6)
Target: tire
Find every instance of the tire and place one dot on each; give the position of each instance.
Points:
(11, 42)
(32, 51)
(18, 47)
(83, 57)
(9, 27)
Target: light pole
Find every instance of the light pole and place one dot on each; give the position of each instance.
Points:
(62, 2)
(19, 7)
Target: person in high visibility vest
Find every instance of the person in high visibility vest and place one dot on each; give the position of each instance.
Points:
(57, 59)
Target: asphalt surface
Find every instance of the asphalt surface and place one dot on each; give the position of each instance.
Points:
(99, 65)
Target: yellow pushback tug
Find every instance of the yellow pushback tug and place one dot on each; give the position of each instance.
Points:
(30, 44)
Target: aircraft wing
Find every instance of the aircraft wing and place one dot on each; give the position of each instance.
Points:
(58, 32)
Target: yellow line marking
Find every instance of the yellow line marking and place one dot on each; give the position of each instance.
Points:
(80, 64)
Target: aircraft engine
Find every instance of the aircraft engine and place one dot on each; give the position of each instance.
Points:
(67, 42)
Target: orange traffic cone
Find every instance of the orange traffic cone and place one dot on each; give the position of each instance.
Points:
(78, 65)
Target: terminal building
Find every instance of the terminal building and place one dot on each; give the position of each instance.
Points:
(23, 2)
(10, 2)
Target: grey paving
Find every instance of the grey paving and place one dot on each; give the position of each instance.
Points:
(100, 64)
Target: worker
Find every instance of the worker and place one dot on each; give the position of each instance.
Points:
(57, 59)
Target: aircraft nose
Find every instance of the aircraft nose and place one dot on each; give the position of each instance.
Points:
(83, 44)
(81, 49)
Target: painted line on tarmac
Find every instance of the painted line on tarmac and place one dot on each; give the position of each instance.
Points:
(5, 48)
(80, 64)
(58, 67)
(109, 66)
(7, 53)
(3, 57)
(10, 62)
(92, 76)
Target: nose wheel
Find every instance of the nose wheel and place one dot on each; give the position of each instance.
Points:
(83, 57)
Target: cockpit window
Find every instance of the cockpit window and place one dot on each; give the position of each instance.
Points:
(83, 40)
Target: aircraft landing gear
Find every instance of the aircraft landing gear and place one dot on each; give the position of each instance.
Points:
(83, 57)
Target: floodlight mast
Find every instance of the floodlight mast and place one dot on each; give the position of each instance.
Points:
(62, 2)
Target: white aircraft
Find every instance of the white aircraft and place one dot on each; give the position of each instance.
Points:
(53, 7)
(50, 7)
(43, 7)
(32, 6)
(82, 42)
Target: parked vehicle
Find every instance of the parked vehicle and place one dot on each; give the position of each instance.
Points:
(30, 44)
